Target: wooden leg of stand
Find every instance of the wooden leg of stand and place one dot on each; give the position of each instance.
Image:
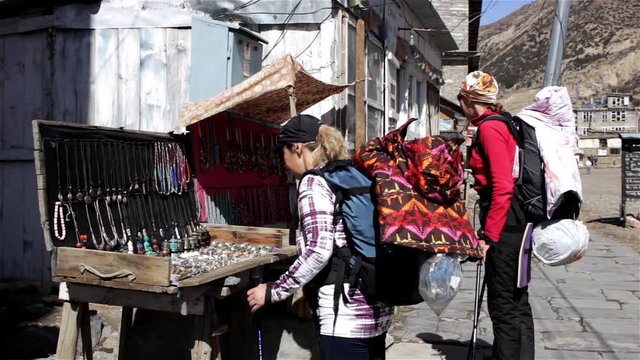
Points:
(68, 336)
(85, 331)
(202, 348)
(125, 328)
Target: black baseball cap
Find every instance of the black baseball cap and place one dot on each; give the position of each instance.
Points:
(299, 129)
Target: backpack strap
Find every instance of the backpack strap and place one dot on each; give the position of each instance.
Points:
(515, 132)
(505, 118)
(341, 257)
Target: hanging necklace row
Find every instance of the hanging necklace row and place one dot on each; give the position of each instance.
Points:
(124, 186)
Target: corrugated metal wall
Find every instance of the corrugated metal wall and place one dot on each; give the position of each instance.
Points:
(134, 78)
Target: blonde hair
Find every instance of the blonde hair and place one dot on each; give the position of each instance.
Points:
(330, 145)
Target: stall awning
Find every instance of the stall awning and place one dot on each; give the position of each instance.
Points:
(264, 96)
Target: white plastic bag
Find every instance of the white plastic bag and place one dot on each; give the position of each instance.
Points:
(440, 278)
(560, 242)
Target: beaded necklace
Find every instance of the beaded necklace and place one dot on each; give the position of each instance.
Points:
(58, 217)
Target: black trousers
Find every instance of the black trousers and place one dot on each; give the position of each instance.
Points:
(508, 305)
(340, 348)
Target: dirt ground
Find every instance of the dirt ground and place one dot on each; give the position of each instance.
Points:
(29, 320)
(601, 209)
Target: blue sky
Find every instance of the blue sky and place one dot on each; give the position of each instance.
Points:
(493, 10)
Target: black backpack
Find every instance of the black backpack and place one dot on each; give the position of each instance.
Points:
(530, 190)
(356, 263)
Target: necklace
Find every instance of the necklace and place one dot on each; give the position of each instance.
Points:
(116, 184)
(114, 230)
(105, 172)
(94, 238)
(141, 174)
(98, 168)
(92, 190)
(79, 194)
(105, 241)
(162, 217)
(58, 217)
(56, 146)
(87, 198)
(68, 171)
(75, 225)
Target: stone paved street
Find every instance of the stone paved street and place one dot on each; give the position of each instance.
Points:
(587, 310)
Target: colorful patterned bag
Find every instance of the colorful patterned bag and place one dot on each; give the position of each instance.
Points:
(417, 185)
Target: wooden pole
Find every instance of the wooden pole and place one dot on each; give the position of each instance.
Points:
(292, 101)
(68, 336)
(360, 125)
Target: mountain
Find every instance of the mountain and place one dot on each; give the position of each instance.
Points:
(601, 55)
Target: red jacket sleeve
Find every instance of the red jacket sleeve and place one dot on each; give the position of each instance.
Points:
(499, 147)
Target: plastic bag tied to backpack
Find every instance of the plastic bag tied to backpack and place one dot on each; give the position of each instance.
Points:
(560, 242)
(440, 278)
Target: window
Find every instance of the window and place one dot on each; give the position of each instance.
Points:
(603, 143)
(433, 109)
(374, 85)
(398, 105)
(374, 72)
(410, 99)
(351, 55)
(420, 100)
(375, 88)
(374, 122)
(614, 151)
(392, 96)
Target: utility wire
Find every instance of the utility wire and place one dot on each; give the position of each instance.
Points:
(282, 34)
(243, 6)
(315, 37)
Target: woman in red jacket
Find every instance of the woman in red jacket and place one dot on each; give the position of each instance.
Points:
(492, 163)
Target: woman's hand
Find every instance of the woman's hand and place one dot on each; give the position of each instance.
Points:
(256, 297)
(484, 247)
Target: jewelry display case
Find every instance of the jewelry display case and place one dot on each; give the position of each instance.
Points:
(123, 208)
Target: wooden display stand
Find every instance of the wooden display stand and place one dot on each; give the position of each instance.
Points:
(144, 282)
(195, 296)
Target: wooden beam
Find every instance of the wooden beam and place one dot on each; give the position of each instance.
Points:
(68, 335)
(202, 336)
(85, 331)
(360, 125)
(245, 234)
(126, 320)
(103, 265)
(191, 301)
(117, 285)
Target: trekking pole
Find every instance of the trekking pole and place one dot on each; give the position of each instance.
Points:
(256, 279)
(471, 354)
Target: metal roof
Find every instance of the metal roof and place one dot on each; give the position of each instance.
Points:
(428, 16)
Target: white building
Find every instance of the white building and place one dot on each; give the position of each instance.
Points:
(616, 115)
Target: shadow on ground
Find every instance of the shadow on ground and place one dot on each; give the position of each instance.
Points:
(455, 349)
(21, 337)
(614, 220)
